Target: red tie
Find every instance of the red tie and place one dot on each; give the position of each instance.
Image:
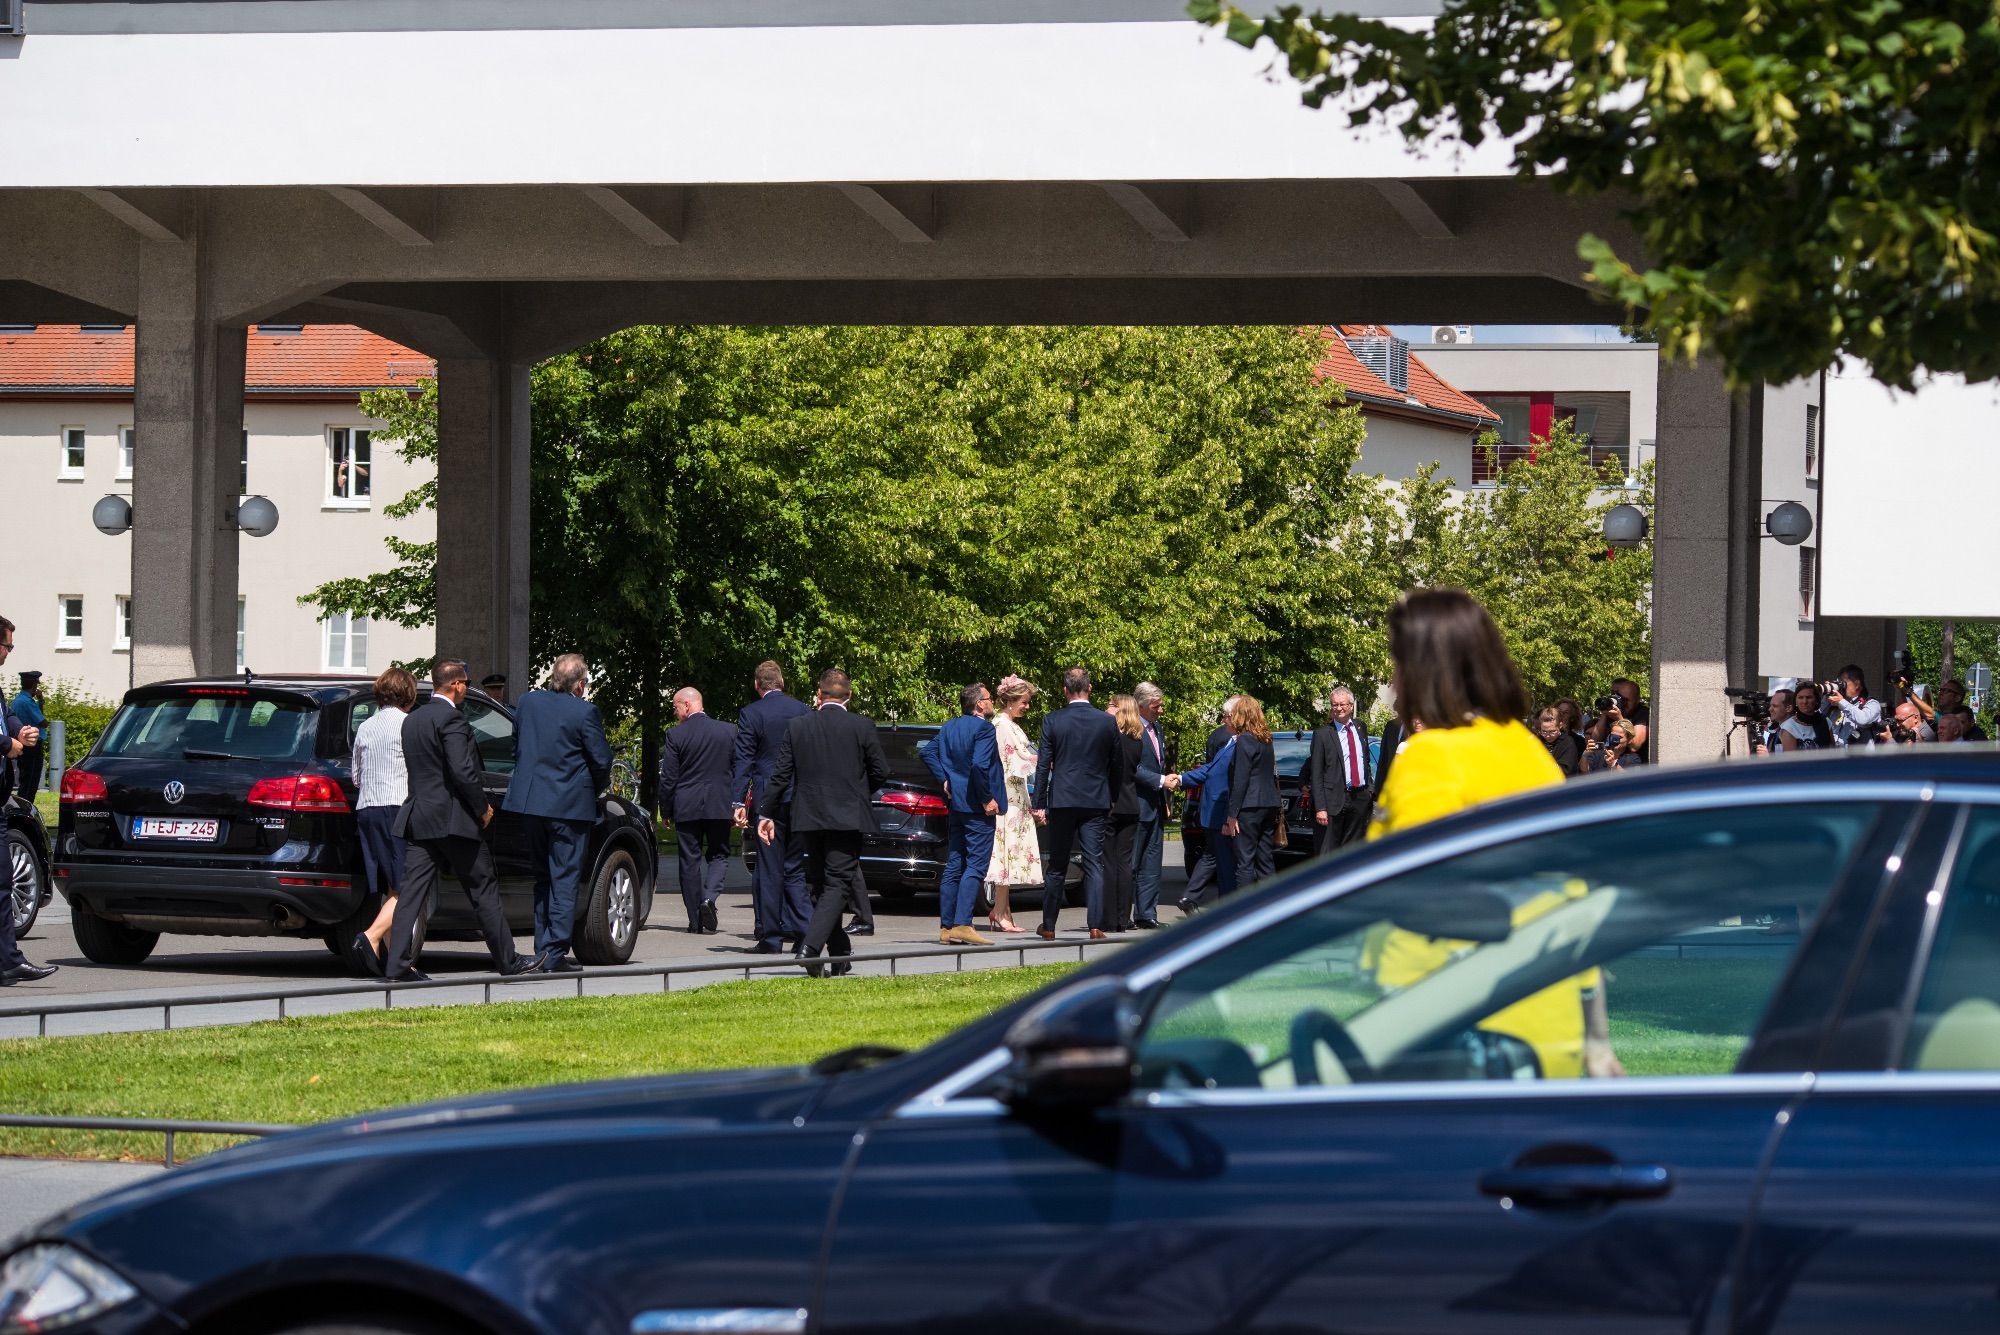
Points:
(1353, 759)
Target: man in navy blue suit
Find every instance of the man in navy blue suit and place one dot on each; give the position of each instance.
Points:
(695, 761)
(561, 763)
(1076, 781)
(966, 760)
(778, 898)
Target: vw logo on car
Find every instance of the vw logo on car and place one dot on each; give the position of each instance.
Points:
(173, 792)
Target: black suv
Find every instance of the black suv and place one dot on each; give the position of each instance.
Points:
(225, 807)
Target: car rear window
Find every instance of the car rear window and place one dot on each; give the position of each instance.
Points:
(242, 726)
(1289, 753)
(901, 744)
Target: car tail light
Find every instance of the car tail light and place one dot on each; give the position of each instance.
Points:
(318, 882)
(917, 804)
(298, 792)
(80, 785)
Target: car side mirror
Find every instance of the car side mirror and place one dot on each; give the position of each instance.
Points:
(1074, 1049)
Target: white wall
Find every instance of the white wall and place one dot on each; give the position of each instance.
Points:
(1397, 448)
(1523, 367)
(54, 550)
(1785, 626)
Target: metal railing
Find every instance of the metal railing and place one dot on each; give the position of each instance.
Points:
(160, 1126)
(487, 981)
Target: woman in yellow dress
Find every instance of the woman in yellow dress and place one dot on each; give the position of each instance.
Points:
(1461, 702)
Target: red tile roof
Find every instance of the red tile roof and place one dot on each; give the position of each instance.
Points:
(1428, 392)
(67, 358)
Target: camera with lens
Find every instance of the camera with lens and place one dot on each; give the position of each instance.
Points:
(1611, 702)
(1749, 704)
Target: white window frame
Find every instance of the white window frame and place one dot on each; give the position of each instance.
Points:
(243, 466)
(121, 623)
(241, 622)
(65, 470)
(346, 662)
(334, 500)
(65, 640)
(127, 439)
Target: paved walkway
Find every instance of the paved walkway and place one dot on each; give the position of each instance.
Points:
(33, 1189)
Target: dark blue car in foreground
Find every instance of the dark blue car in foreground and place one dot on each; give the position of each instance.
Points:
(1346, 1102)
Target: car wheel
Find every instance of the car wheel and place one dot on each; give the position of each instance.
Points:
(26, 882)
(608, 928)
(105, 942)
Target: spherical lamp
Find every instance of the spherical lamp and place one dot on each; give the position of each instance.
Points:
(112, 515)
(1791, 523)
(1625, 526)
(257, 516)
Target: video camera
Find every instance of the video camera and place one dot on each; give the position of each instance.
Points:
(1750, 705)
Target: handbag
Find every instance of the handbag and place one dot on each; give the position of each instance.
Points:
(1284, 839)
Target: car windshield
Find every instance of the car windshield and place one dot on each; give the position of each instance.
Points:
(200, 725)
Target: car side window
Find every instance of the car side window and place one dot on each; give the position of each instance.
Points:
(1956, 1023)
(493, 733)
(1666, 935)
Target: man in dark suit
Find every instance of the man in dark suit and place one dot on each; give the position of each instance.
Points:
(1148, 848)
(828, 769)
(695, 761)
(1076, 777)
(1202, 876)
(778, 897)
(1339, 775)
(562, 762)
(15, 737)
(442, 820)
(966, 760)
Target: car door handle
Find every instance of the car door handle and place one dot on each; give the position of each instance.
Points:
(1552, 1186)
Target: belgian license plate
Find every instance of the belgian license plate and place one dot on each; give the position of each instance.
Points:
(190, 828)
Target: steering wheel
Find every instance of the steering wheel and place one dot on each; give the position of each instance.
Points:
(1310, 1029)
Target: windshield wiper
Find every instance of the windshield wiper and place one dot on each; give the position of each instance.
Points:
(195, 753)
(859, 1057)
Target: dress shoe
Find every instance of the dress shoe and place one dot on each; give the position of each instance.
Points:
(841, 970)
(518, 965)
(861, 929)
(411, 976)
(25, 972)
(364, 950)
(556, 961)
(1146, 924)
(708, 923)
(1186, 905)
(767, 948)
(1046, 933)
(965, 936)
(1098, 934)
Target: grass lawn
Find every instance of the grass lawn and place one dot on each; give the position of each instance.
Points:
(49, 805)
(307, 1070)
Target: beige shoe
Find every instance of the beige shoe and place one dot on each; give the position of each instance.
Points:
(945, 937)
(965, 936)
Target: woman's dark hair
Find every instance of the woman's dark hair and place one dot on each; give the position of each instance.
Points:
(397, 689)
(1452, 666)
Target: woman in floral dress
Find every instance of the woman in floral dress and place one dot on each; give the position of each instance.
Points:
(1017, 852)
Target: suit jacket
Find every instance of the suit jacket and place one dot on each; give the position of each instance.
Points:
(760, 731)
(1253, 775)
(1131, 755)
(966, 760)
(1392, 738)
(695, 760)
(1152, 768)
(1326, 768)
(1078, 762)
(561, 760)
(1218, 739)
(829, 767)
(446, 797)
(1213, 778)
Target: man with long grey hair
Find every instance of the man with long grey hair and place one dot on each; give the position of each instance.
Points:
(562, 763)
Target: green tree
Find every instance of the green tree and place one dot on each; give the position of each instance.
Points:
(1809, 179)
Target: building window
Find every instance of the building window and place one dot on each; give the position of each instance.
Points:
(239, 635)
(69, 621)
(104, 329)
(72, 453)
(243, 466)
(346, 641)
(1808, 580)
(348, 460)
(281, 329)
(121, 628)
(124, 454)
(1812, 440)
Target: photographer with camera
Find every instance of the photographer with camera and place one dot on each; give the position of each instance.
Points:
(1769, 736)
(1856, 719)
(1616, 738)
(1907, 726)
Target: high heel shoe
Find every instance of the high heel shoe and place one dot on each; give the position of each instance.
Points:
(1003, 925)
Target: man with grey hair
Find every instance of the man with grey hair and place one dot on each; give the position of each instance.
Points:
(562, 762)
(1148, 848)
(695, 763)
(1340, 776)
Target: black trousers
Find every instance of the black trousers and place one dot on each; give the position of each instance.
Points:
(1121, 835)
(704, 855)
(424, 866)
(1256, 845)
(1349, 825)
(1074, 828)
(833, 879)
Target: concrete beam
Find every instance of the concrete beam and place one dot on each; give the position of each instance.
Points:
(482, 516)
(1164, 212)
(401, 224)
(908, 213)
(159, 219)
(657, 215)
(1415, 210)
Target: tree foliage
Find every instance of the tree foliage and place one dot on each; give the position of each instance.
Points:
(1810, 179)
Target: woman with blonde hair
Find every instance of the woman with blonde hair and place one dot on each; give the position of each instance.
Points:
(1017, 851)
(1252, 824)
(1122, 830)
(381, 783)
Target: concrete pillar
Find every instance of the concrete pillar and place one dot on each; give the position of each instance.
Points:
(482, 517)
(1705, 559)
(188, 431)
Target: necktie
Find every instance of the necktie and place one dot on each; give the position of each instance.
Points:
(1153, 735)
(1353, 759)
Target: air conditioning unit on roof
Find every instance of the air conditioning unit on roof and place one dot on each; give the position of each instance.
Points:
(1451, 333)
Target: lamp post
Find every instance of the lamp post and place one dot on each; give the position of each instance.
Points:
(255, 515)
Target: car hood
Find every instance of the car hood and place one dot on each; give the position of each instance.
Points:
(699, 1102)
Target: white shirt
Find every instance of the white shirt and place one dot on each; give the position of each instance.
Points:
(379, 771)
